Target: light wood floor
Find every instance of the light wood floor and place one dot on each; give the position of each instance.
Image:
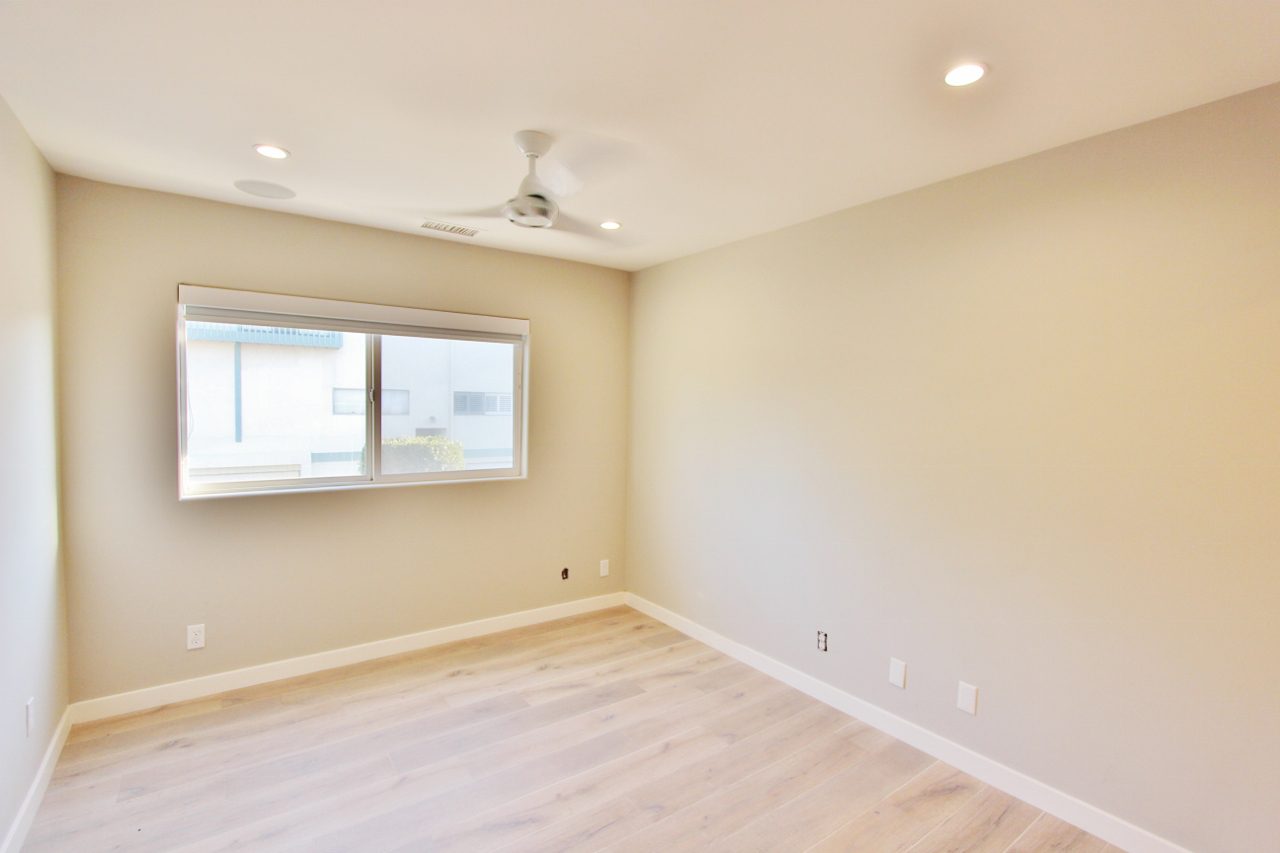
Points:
(603, 731)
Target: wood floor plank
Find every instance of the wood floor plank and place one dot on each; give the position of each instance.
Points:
(988, 823)
(325, 732)
(790, 727)
(500, 749)
(544, 728)
(252, 786)
(512, 820)
(355, 708)
(496, 739)
(717, 816)
(245, 750)
(606, 730)
(558, 803)
(902, 818)
(511, 782)
(1048, 833)
(806, 819)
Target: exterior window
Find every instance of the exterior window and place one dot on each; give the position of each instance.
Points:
(284, 393)
(349, 401)
(395, 401)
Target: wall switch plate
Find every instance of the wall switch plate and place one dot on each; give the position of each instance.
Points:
(604, 568)
(31, 714)
(898, 673)
(195, 637)
(967, 698)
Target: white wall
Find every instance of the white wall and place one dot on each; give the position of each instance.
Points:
(1021, 428)
(274, 576)
(32, 630)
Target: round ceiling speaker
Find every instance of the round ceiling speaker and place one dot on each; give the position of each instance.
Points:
(264, 189)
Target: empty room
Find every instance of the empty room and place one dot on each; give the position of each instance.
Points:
(676, 425)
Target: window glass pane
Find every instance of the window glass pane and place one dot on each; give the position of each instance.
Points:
(453, 416)
(269, 403)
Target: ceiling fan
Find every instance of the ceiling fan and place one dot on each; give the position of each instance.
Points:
(534, 205)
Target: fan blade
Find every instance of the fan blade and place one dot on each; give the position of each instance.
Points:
(565, 222)
(477, 213)
(559, 180)
(581, 159)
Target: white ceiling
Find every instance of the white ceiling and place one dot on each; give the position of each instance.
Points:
(693, 122)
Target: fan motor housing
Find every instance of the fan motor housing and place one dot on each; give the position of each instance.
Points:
(531, 211)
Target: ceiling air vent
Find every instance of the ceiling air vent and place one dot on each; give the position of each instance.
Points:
(450, 228)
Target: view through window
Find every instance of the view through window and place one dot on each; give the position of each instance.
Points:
(279, 407)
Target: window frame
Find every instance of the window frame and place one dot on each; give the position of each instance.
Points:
(363, 394)
(199, 303)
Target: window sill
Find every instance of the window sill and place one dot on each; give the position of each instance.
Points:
(345, 487)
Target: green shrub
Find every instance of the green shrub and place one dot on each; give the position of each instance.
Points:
(421, 453)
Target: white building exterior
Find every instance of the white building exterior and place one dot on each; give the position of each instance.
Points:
(268, 404)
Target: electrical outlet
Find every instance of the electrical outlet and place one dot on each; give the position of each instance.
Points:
(564, 574)
(898, 673)
(967, 698)
(822, 641)
(195, 637)
(31, 714)
(604, 568)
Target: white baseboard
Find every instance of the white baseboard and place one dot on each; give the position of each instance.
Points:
(1104, 825)
(26, 815)
(208, 685)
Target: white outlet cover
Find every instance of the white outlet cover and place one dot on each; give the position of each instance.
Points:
(967, 698)
(898, 673)
(195, 637)
(604, 568)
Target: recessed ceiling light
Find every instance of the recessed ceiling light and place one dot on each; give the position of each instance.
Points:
(963, 75)
(274, 152)
(610, 225)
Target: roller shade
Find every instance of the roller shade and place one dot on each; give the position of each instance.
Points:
(219, 305)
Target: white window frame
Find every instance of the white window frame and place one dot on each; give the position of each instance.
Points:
(220, 305)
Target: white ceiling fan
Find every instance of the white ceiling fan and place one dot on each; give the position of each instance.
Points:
(534, 205)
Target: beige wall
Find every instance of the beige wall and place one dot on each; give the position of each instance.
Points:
(32, 629)
(275, 576)
(1020, 428)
